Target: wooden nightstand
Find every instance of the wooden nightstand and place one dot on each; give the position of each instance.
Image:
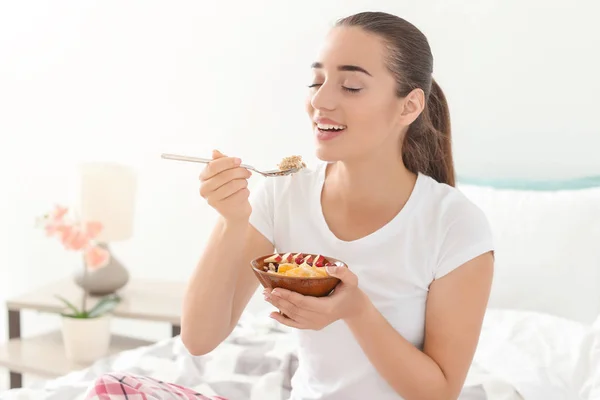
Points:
(44, 355)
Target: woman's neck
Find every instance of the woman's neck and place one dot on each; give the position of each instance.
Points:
(375, 181)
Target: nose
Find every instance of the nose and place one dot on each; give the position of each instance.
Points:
(324, 98)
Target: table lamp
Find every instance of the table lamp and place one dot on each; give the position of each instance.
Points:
(107, 195)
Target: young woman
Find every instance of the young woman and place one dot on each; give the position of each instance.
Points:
(405, 321)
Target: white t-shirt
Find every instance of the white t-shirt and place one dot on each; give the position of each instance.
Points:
(436, 231)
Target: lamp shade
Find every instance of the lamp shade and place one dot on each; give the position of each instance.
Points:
(108, 196)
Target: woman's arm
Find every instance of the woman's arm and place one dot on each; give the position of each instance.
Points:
(221, 285)
(223, 282)
(455, 308)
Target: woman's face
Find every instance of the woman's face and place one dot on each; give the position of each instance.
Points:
(352, 100)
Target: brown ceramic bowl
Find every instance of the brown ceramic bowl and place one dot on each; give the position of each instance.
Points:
(308, 286)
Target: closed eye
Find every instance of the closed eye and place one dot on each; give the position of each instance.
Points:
(348, 89)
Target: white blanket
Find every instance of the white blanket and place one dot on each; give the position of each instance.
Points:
(521, 356)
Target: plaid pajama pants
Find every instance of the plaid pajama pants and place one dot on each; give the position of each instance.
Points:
(135, 387)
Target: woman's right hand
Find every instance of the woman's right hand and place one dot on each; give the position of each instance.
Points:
(224, 185)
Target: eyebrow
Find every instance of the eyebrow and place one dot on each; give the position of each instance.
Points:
(351, 68)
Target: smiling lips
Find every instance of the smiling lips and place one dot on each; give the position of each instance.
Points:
(327, 129)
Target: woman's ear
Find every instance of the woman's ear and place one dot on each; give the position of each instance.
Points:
(412, 106)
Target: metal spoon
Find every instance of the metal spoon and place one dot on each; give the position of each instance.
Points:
(275, 172)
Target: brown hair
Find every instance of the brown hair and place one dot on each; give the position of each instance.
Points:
(427, 145)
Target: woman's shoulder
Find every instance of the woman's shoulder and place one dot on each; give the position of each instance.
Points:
(450, 206)
(459, 228)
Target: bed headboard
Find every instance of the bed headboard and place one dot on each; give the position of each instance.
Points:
(547, 236)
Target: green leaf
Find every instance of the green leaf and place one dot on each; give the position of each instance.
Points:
(78, 316)
(105, 305)
(76, 312)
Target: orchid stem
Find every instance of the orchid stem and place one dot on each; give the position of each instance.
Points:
(83, 284)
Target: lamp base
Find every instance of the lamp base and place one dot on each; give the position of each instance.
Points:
(103, 281)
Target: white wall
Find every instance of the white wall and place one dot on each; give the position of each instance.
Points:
(126, 80)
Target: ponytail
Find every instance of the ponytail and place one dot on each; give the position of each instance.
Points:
(427, 145)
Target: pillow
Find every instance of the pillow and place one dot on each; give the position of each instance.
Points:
(547, 245)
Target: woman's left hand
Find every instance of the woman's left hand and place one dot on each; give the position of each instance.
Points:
(307, 312)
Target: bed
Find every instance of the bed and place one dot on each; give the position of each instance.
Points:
(540, 338)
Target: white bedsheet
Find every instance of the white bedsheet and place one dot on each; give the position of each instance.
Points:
(521, 356)
(538, 355)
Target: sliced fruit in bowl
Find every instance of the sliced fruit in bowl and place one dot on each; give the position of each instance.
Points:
(298, 272)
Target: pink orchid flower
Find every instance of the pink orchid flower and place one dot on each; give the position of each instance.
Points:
(75, 239)
(51, 228)
(55, 220)
(93, 229)
(58, 213)
(63, 231)
(96, 257)
(77, 236)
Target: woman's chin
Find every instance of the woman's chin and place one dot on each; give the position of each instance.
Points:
(327, 154)
(340, 153)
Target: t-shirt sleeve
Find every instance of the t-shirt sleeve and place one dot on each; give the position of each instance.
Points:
(263, 208)
(467, 235)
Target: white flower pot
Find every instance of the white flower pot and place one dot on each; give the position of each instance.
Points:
(86, 339)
